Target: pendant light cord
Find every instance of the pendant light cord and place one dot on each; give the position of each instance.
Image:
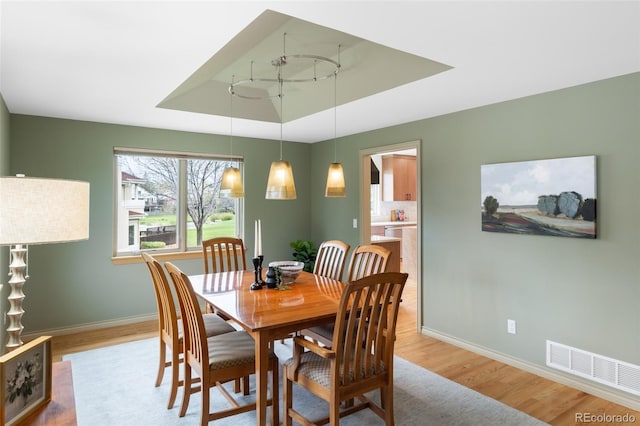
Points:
(231, 120)
(281, 117)
(335, 110)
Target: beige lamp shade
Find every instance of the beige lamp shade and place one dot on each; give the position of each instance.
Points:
(39, 211)
(280, 185)
(231, 186)
(335, 181)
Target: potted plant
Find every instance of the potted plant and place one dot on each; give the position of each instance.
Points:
(305, 252)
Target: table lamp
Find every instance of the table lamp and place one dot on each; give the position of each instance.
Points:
(37, 211)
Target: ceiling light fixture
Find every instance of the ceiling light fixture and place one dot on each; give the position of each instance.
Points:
(231, 185)
(335, 176)
(280, 184)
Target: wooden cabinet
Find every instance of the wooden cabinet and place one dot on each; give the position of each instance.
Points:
(399, 177)
(393, 245)
(377, 230)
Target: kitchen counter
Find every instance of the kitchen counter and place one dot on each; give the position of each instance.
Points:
(383, 239)
(396, 223)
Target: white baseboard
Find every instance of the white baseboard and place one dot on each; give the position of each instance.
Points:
(90, 326)
(630, 401)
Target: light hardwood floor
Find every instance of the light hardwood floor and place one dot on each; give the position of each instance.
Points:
(539, 397)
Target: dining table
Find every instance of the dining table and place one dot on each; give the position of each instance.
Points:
(269, 314)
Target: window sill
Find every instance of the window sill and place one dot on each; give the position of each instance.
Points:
(126, 260)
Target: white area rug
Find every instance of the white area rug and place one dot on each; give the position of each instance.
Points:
(115, 386)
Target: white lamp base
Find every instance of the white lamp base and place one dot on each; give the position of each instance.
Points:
(17, 272)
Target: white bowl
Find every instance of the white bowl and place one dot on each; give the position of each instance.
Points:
(289, 270)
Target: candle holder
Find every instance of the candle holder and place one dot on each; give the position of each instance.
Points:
(257, 270)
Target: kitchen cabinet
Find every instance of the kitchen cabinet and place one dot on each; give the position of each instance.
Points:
(377, 230)
(399, 177)
(393, 245)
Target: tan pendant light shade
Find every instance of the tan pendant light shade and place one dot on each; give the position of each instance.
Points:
(231, 186)
(335, 181)
(281, 185)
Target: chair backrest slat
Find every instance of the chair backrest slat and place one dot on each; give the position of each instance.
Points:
(225, 254)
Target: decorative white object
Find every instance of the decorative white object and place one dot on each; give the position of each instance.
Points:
(37, 211)
(257, 250)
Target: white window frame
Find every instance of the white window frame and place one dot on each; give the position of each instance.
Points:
(181, 211)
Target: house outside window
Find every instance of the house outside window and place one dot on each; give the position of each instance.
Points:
(169, 201)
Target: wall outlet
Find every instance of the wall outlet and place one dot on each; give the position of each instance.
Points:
(355, 223)
(511, 326)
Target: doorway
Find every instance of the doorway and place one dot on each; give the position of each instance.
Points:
(390, 209)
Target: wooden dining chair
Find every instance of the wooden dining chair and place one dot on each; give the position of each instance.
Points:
(217, 359)
(223, 254)
(331, 258)
(330, 261)
(361, 358)
(170, 329)
(366, 260)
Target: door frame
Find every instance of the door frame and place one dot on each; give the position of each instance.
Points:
(365, 206)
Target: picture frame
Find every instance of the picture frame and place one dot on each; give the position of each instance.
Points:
(25, 377)
(553, 197)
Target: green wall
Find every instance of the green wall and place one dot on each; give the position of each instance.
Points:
(76, 283)
(4, 251)
(583, 293)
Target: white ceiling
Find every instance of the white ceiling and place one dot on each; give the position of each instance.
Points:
(114, 62)
(279, 50)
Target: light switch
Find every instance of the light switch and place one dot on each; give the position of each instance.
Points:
(355, 223)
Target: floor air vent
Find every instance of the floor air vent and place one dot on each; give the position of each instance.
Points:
(602, 369)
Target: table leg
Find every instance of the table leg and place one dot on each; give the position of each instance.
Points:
(262, 378)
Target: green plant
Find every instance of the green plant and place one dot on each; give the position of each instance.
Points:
(303, 251)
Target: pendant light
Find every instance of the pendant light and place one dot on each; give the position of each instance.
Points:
(280, 185)
(335, 176)
(231, 185)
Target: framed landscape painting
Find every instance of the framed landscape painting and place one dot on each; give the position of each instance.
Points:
(554, 197)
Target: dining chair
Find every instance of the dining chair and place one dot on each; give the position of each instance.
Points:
(170, 329)
(366, 260)
(331, 258)
(361, 356)
(224, 254)
(216, 359)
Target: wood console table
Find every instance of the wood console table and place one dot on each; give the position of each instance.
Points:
(61, 410)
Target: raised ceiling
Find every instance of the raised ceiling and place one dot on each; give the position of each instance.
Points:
(116, 61)
(254, 57)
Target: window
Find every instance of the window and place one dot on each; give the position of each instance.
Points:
(169, 201)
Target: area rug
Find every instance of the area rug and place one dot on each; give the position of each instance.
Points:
(115, 386)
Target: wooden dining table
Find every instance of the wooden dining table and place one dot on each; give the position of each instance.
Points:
(269, 314)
